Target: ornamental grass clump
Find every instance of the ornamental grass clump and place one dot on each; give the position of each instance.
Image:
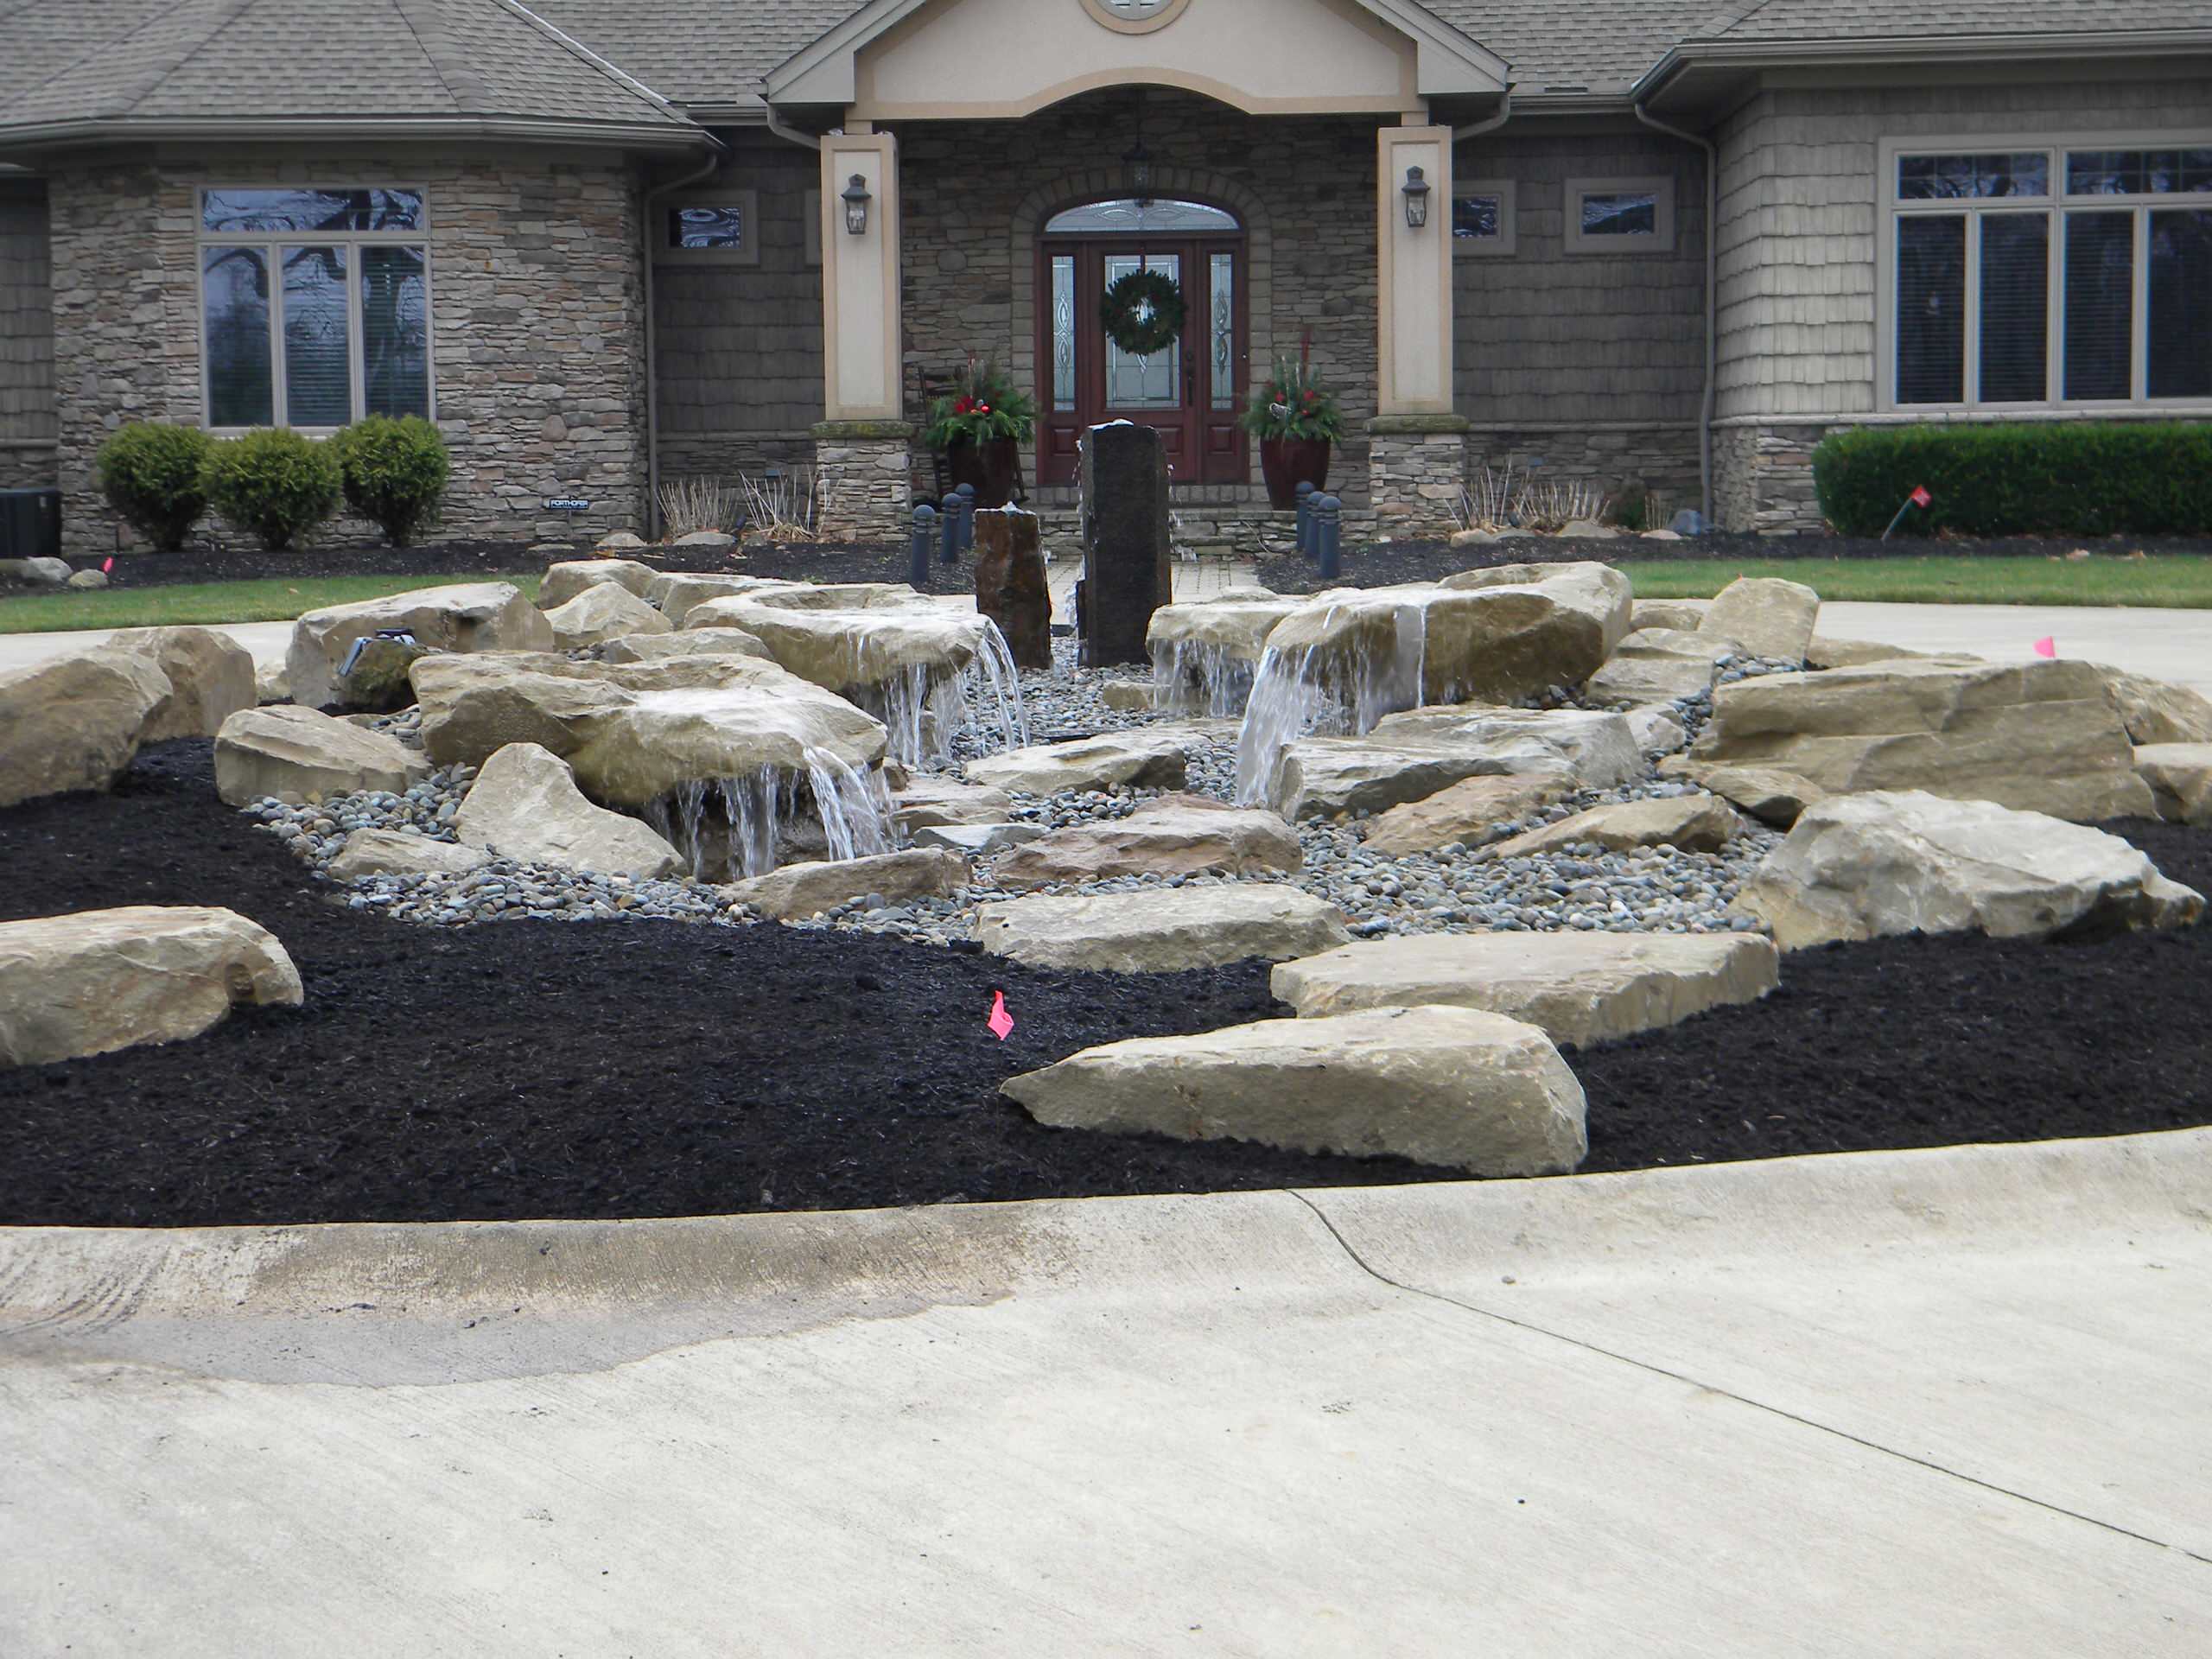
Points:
(151, 474)
(393, 473)
(273, 483)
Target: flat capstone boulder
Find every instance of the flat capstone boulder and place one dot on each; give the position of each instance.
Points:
(1471, 813)
(1689, 823)
(1825, 652)
(211, 678)
(1659, 665)
(524, 805)
(74, 722)
(299, 755)
(1579, 988)
(1765, 616)
(1162, 931)
(1773, 796)
(1414, 754)
(676, 593)
(864, 650)
(392, 852)
(2155, 712)
(1457, 1088)
(604, 611)
(978, 840)
(1144, 758)
(103, 979)
(2040, 736)
(799, 891)
(564, 580)
(2180, 776)
(658, 647)
(465, 618)
(1860, 867)
(932, 802)
(1204, 652)
(1182, 836)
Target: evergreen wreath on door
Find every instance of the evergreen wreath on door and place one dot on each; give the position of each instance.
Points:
(1143, 312)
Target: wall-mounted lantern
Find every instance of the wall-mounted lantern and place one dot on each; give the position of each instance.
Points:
(1416, 198)
(856, 199)
(1138, 164)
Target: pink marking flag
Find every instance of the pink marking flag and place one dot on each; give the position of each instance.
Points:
(2047, 646)
(1920, 497)
(106, 565)
(1000, 1022)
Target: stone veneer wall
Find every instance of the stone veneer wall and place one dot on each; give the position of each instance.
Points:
(536, 314)
(1659, 458)
(863, 479)
(975, 196)
(1415, 479)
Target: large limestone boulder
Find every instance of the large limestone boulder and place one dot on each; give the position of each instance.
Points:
(1823, 652)
(688, 642)
(1182, 836)
(1163, 932)
(1766, 616)
(211, 678)
(933, 803)
(1455, 1087)
(1579, 988)
(469, 617)
(1691, 824)
(391, 852)
(1471, 812)
(299, 754)
(1145, 759)
(1204, 652)
(1686, 615)
(36, 573)
(1657, 729)
(604, 611)
(2180, 776)
(564, 580)
(524, 805)
(103, 979)
(1659, 665)
(634, 732)
(799, 891)
(2155, 712)
(678, 593)
(1768, 793)
(2041, 736)
(1596, 592)
(1413, 755)
(1857, 867)
(74, 722)
(861, 652)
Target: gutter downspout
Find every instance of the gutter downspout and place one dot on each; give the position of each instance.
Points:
(647, 221)
(1711, 296)
(1488, 124)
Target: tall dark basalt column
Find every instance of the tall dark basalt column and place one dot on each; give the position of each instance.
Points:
(1126, 571)
(1010, 583)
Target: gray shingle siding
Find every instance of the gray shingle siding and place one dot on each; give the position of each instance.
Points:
(26, 324)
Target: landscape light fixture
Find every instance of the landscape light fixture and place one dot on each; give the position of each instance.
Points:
(1138, 164)
(1416, 198)
(855, 199)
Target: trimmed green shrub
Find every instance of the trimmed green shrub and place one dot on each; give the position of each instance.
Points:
(150, 475)
(273, 482)
(394, 472)
(2067, 478)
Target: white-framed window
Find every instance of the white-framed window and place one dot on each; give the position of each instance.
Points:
(1620, 215)
(2025, 275)
(1482, 216)
(314, 305)
(722, 228)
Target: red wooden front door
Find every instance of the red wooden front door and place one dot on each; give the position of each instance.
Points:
(1190, 393)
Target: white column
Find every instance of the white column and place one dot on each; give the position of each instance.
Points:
(1413, 303)
(862, 355)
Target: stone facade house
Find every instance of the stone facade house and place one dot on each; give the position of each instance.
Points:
(609, 243)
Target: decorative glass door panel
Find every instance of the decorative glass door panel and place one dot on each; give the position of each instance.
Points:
(1189, 391)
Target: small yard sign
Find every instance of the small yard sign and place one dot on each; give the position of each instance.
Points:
(567, 504)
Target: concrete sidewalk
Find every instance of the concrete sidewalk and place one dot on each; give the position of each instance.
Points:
(2165, 645)
(266, 640)
(1896, 1403)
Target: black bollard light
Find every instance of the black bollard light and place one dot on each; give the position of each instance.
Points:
(918, 559)
(1328, 535)
(967, 494)
(948, 549)
(1306, 494)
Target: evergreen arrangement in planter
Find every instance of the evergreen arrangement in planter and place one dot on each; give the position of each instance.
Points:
(394, 473)
(981, 426)
(151, 474)
(1296, 418)
(2071, 478)
(274, 483)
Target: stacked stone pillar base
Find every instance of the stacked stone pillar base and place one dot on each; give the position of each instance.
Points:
(861, 481)
(1416, 468)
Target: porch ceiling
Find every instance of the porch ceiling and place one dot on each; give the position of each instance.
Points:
(1005, 59)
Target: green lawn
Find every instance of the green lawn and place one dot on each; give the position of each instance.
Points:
(2177, 581)
(277, 598)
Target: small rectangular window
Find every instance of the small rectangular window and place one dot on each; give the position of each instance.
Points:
(719, 229)
(1949, 178)
(1476, 216)
(237, 210)
(701, 226)
(1483, 214)
(2181, 304)
(2139, 172)
(2099, 329)
(1620, 215)
(1931, 309)
(2015, 308)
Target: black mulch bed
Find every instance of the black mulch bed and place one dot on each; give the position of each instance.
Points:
(815, 561)
(644, 1069)
(1386, 565)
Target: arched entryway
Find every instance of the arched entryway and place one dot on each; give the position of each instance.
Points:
(1191, 389)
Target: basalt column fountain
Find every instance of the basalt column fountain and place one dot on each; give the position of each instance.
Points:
(1126, 573)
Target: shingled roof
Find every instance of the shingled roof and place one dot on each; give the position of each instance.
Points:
(127, 68)
(1788, 21)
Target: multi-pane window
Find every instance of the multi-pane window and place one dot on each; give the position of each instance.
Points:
(1482, 216)
(2049, 275)
(314, 305)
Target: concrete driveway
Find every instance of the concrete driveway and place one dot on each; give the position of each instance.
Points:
(1898, 1404)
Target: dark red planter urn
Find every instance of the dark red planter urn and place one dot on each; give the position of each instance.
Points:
(1287, 462)
(991, 467)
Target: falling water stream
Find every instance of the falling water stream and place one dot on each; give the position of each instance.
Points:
(1323, 689)
(729, 828)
